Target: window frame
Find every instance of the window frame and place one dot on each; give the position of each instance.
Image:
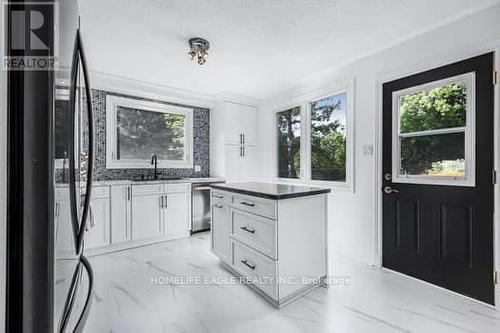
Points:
(112, 104)
(304, 102)
(469, 180)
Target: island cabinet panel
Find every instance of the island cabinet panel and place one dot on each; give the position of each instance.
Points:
(221, 229)
(279, 244)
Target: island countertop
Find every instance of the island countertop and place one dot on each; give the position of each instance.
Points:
(270, 190)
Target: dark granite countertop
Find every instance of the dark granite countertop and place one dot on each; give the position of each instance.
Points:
(271, 191)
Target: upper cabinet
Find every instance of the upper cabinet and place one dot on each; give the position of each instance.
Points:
(240, 124)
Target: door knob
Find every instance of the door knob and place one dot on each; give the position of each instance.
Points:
(389, 190)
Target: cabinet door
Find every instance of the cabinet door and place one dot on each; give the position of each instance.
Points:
(64, 233)
(177, 214)
(249, 168)
(146, 216)
(233, 157)
(221, 225)
(232, 123)
(249, 124)
(121, 198)
(97, 231)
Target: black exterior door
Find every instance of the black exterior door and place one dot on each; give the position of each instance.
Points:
(437, 176)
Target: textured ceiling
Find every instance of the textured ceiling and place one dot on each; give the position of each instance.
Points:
(259, 47)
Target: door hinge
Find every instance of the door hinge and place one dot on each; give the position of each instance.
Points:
(495, 277)
(495, 77)
(494, 177)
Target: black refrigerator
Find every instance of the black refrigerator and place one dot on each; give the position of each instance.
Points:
(50, 163)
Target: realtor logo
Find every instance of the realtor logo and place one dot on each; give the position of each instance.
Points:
(29, 38)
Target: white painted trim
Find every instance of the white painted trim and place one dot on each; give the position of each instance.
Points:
(469, 130)
(390, 76)
(128, 86)
(304, 101)
(112, 102)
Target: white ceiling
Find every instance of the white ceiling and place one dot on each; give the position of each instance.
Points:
(259, 47)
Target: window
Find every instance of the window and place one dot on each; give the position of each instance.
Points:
(314, 140)
(289, 128)
(435, 140)
(137, 129)
(329, 138)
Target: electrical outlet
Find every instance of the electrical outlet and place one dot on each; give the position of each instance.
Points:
(197, 168)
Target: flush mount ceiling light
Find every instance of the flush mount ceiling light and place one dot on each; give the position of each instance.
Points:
(198, 49)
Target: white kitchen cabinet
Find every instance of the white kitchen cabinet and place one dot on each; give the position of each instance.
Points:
(240, 124)
(121, 213)
(241, 163)
(221, 226)
(273, 236)
(98, 227)
(147, 215)
(64, 233)
(177, 214)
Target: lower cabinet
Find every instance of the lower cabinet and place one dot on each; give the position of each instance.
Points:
(221, 226)
(177, 214)
(147, 216)
(121, 213)
(98, 224)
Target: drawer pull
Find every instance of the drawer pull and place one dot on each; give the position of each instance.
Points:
(218, 206)
(252, 231)
(218, 196)
(247, 204)
(245, 262)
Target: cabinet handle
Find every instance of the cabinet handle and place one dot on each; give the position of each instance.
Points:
(243, 139)
(245, 228)
(129, 194)
(161, 202)
(245, 262)
(218, 206)
(57, 209)
(243, 148)
(166, 202)
(218, 196)
(247, 204)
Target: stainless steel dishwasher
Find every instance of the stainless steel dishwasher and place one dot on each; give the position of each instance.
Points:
(201, 215)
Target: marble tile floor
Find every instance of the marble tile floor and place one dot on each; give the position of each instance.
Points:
(131, 296)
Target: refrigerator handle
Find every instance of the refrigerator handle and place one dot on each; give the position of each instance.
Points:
(90, 166)
(85, 312)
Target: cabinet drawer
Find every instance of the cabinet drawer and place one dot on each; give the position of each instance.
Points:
(220, 196)
(263, 207)
(255, 231)
(100, 192)
(250, 263)
(175, 188)
(147, 189)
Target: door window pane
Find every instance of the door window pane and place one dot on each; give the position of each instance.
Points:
(328, 138)
(433, 155)
(289, 128)
(142, 133)
(436, 108)
(434, 134)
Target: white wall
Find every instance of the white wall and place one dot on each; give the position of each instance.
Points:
(3, 165)
(353, 215)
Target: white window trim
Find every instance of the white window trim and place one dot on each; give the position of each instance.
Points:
(112, 102)
(470, 125)
(305, 143)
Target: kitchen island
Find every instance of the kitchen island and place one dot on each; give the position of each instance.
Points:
(273, 236)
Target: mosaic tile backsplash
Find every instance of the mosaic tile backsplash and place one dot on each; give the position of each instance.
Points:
(201, 144)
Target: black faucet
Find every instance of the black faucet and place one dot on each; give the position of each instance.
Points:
(154, 160)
